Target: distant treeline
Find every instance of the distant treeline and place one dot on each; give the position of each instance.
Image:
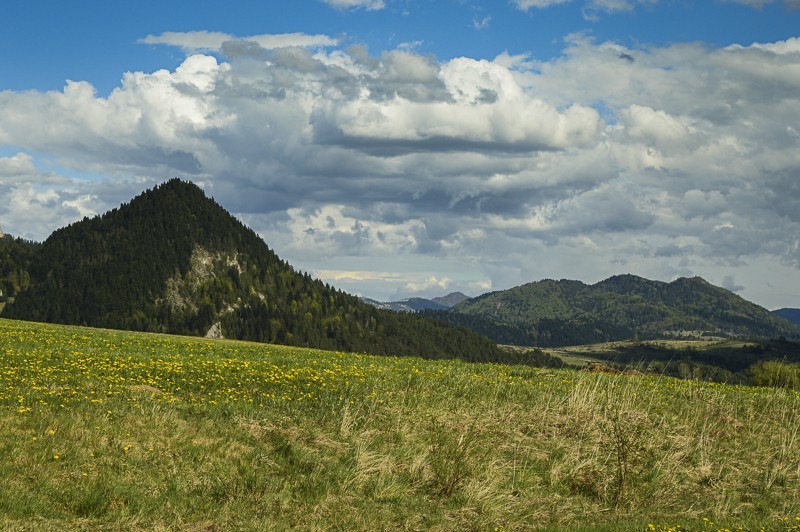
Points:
(725, 362)
(545, 332)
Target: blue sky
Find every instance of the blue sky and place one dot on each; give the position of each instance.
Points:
(405, 148)
(43, 43)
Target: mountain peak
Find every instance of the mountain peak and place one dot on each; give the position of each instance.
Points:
(173, 260)
(450, 300)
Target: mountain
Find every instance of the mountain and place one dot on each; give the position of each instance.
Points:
(417, 304)
(450, 300)
(553, 313)
(791, 314)
(173, 260)
(412, 304)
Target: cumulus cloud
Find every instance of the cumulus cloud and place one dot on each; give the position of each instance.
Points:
(35, 202)
(729, 283)
(660, 160)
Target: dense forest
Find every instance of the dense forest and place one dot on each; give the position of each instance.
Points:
(16, 256)
(173, 260)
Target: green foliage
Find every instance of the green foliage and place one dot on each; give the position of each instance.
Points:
(174, 261)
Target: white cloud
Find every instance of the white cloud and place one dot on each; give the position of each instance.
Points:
(481, 23)
(350, 275)
(590, 7)
(525, 5)
(661, 160)
(369, 5)
(758, 4)
(431, 283)
(213, 41)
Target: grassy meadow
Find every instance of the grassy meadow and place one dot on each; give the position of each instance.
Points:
(117, 430)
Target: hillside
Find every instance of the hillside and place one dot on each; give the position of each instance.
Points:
(552, 313)
(173, 260)
(16, 256)
(791, 314)
(100, 428)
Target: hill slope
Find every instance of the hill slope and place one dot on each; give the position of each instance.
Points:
(239, 436)
(791, 314)
(173, 260)
(15, 260)
(552, 313)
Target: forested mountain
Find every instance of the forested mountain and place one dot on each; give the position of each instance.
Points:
(553, 313)
(173, 260)
(450, 300)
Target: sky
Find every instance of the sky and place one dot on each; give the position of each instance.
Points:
(402, 148)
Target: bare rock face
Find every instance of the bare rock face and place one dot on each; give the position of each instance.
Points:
(215, 331)
(2, 234)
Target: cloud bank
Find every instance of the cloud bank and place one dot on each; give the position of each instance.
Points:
(663, 161)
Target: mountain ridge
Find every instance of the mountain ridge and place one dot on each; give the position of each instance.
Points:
(563, 312)
(416, 304)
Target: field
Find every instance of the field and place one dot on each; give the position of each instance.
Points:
(116, 430)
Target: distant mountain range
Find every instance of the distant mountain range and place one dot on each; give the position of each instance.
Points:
(416, 304)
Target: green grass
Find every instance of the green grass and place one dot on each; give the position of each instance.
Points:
(114, 430)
